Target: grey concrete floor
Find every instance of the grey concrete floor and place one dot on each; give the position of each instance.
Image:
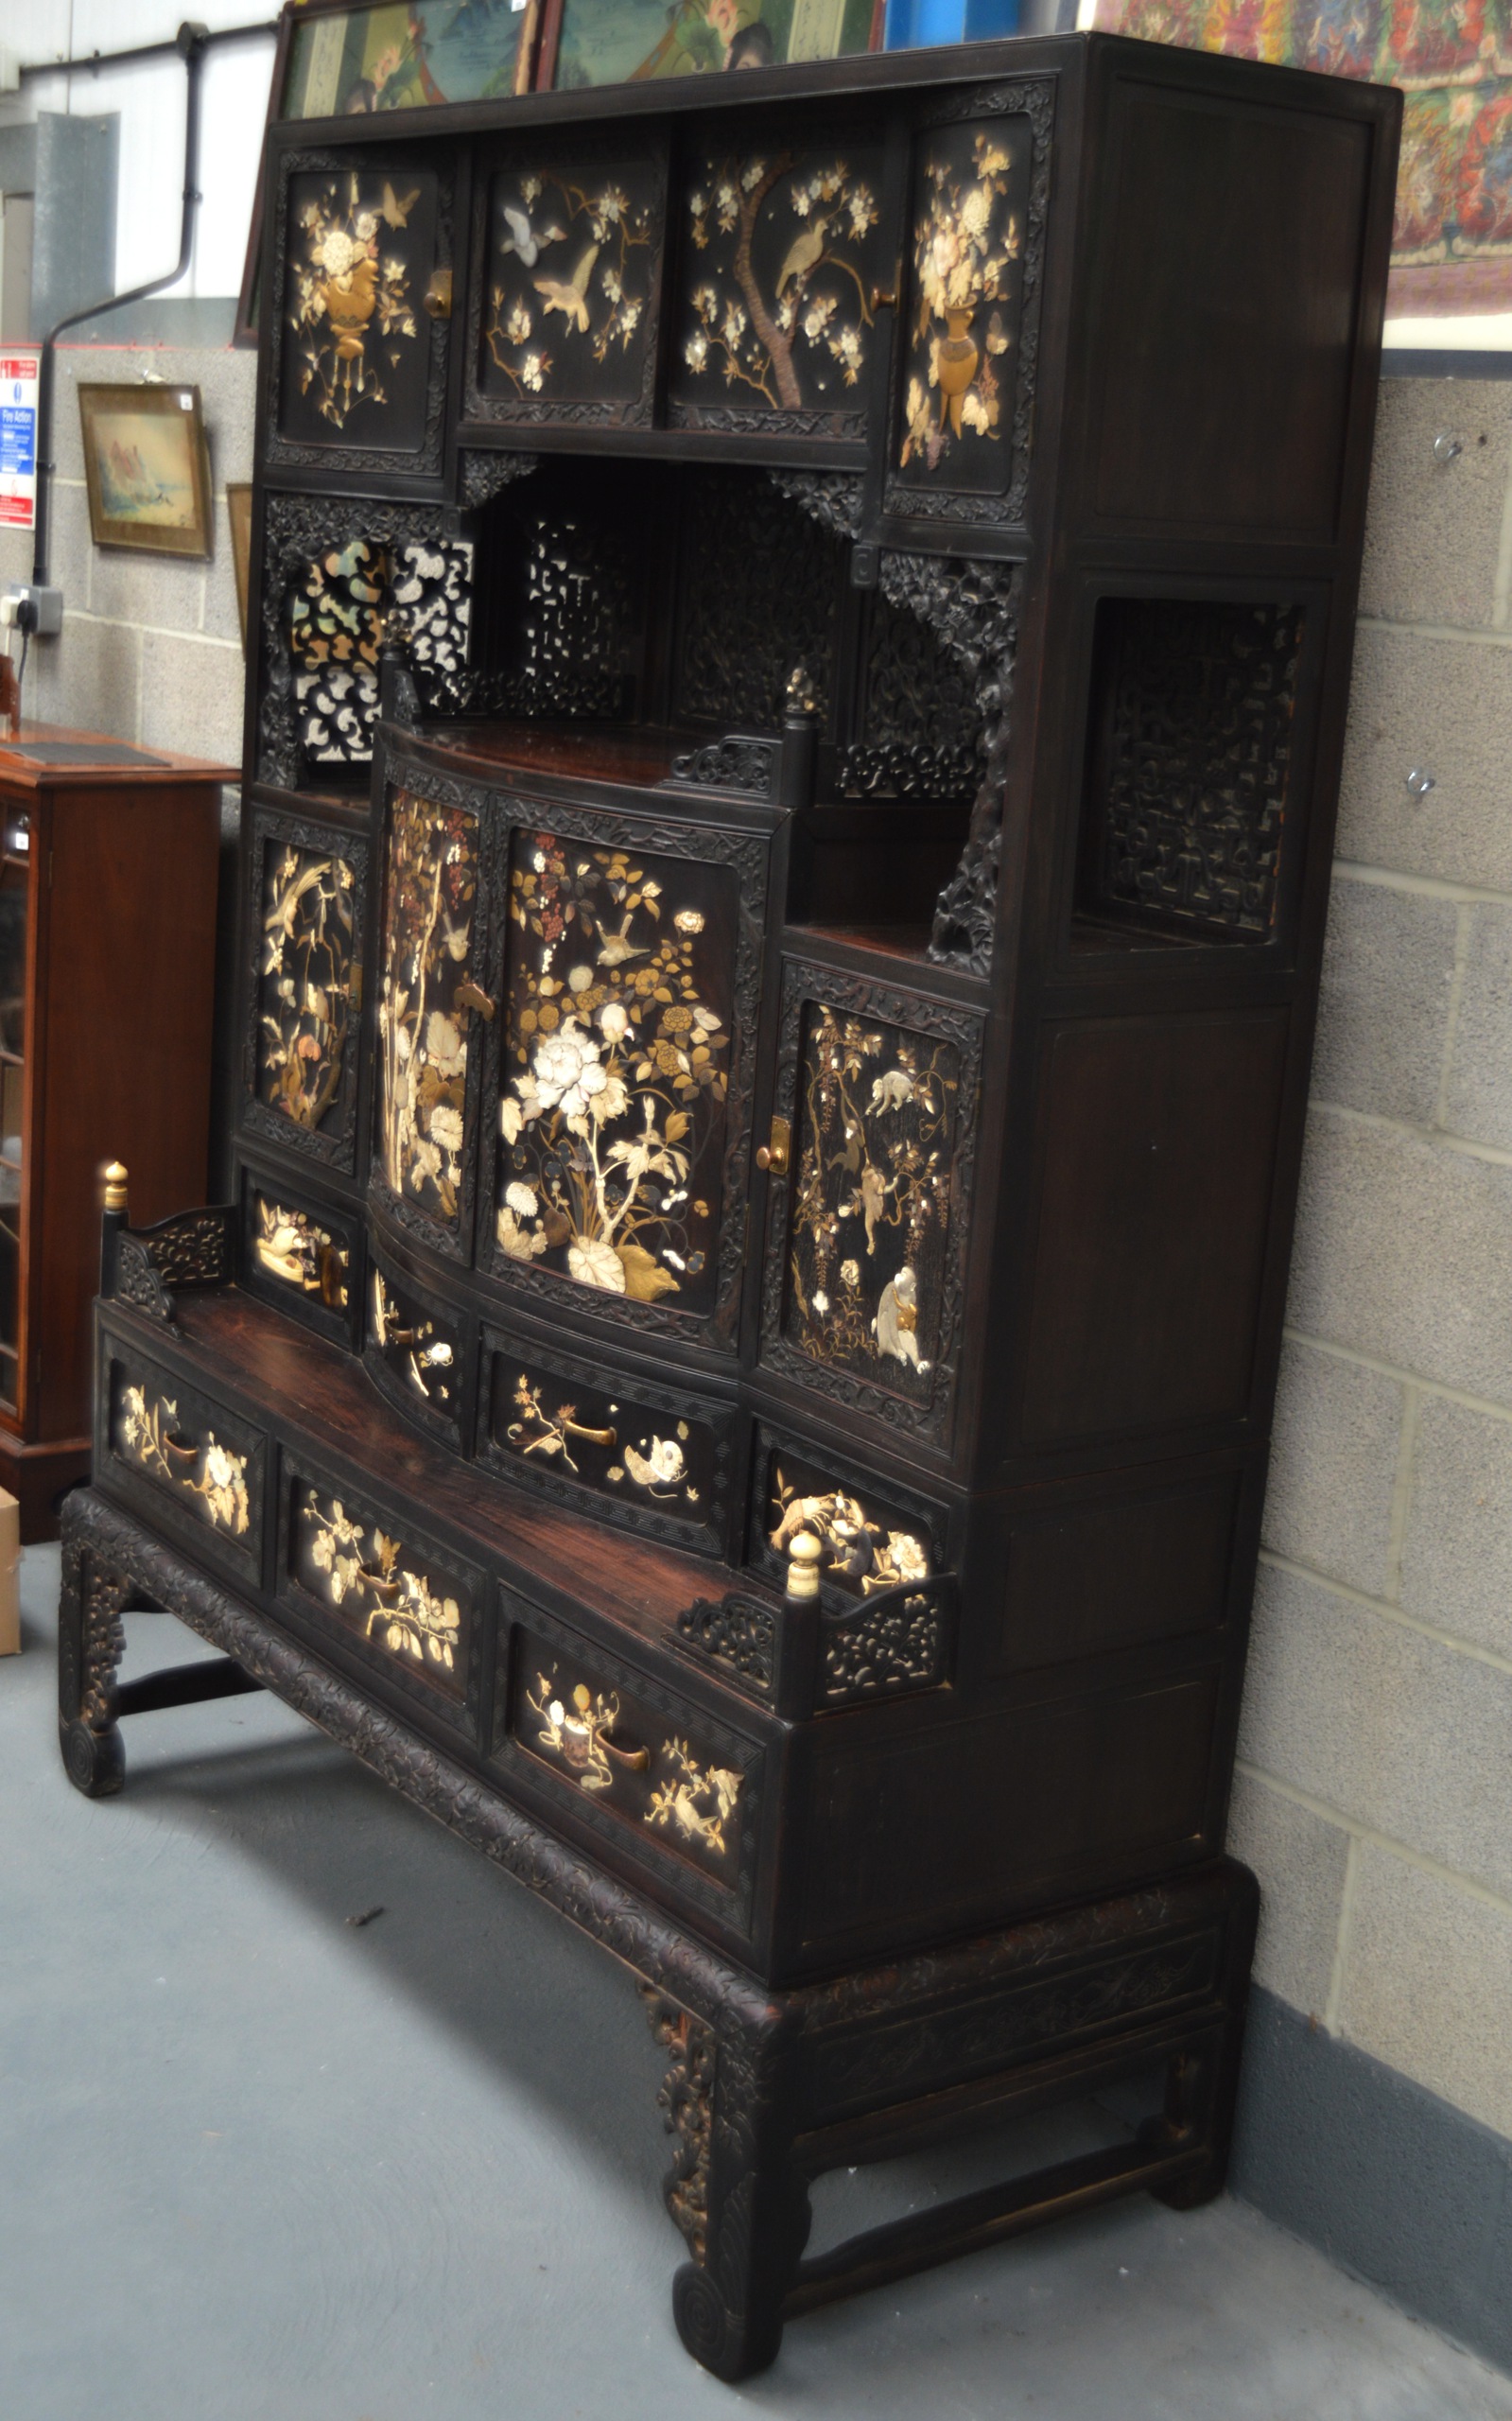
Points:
(258, 2164)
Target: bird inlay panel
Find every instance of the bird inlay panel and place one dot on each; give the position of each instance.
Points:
(570, 290)
(783, 250)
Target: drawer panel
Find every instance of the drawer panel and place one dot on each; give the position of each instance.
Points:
(416, 1352)
(412, 1610)
(300, 1255)
(204, 1468)
(657, 1459)
(641, 1763)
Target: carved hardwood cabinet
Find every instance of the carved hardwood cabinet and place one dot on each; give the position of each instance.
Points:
(802, 629)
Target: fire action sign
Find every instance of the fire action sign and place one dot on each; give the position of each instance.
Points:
(18, 438)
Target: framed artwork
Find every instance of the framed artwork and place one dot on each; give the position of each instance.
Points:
(1450, 285)
(147, 468)
(238, 511)
(383, 54)
(617, 42)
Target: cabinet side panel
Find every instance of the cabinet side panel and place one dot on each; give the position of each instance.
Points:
(1228, 309)
(1158, 1147)
(129, 1014)
(1024, 1798)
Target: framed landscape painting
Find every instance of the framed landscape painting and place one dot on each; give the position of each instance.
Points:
(147, 468)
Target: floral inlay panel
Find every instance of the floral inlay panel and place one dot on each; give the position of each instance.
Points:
(656, 1463)
(305, 985)
(206, 1475)
(784, 253)
(361, 249)
(428, 1003)
(966, 305)
(570, 279)
(871, 1200)
(616, 1067)
(337, 607)
(377, 1587)
(865, 1546)
(299, 1252)
(425, 1357)
(621, 1754)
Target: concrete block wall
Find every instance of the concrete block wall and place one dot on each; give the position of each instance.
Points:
(1374, 1796)
(151, 648)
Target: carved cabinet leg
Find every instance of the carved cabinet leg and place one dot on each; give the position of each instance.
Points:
(90, 1642)
(731, 2189)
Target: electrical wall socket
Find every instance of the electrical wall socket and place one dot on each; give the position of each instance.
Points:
(37, 610)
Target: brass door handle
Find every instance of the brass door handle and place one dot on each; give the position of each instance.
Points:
(594, 1436)
(775, 1152)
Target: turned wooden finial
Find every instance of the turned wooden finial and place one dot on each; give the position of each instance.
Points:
(115, 1187)
(804, 1554)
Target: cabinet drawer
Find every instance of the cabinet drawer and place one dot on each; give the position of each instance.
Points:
(201, 1467)
(300, 1255)
(655, 1458)
(638, 1762)
(410, 1609)
(416, 1352)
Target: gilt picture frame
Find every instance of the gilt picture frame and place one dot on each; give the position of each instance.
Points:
(147, 468)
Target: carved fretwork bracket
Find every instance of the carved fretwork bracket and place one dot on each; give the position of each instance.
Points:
(687, 2104)
(486, 476)
(972, 608)
(193, 1249)
(833, 499)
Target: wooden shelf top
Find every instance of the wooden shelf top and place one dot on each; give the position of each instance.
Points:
(120, 762)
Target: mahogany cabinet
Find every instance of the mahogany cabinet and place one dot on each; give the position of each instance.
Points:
(108, 867)
(803, 635)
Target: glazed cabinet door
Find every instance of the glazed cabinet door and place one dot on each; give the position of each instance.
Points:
(623, 1067)
(862, 1282)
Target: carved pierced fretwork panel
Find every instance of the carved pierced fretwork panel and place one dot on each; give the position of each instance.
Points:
(894, 1641)
(1190, 759)
(336, 629)
(864, 1275)
(921, 714)
(332, 566)
(762, 580)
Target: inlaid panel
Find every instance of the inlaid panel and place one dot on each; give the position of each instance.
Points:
(308, 984)
(570, 285)
(204, 1465)
(428, 1000)
(356, 371)
(861, 1291)
(300, 1254)
(634, 1755)
(616, 1069)
(866, 1544)
(415, 1612)
(652, 1457)
(970, 198)
(417, 1354)
(776, 325)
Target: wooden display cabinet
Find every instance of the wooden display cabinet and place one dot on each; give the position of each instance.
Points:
(791, 752)
(108, 880)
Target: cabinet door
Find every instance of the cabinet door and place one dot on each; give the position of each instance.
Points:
(863, 1277)
(307, 890)
(431, 1007)
(626, 1052)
